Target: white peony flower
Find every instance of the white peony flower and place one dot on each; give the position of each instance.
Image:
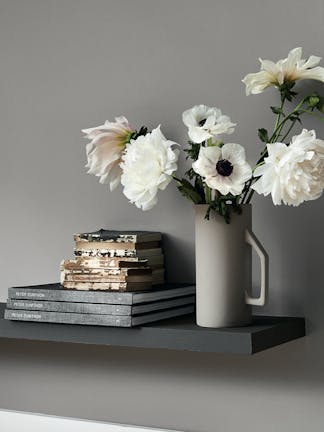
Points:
(290, 69)
(224, 168)
(105, 150)
(204, 122)
(293, 174)
(148, 165)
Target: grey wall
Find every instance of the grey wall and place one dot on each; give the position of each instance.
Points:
(70, 64)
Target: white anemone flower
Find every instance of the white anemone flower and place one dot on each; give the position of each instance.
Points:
(293, 174)
(223, 168)
(287, 70)
(205, 122)
(148, 164)
(105, 149)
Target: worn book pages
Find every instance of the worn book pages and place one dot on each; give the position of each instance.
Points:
(119, 236)
(107, 286)
(84, 244)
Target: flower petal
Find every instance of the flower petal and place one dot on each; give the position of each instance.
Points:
(148, 165)
(205, 122)
(293, 174)
(316, 73)
(235, 153)
(105, 150)
(198, 135)
(257, 82)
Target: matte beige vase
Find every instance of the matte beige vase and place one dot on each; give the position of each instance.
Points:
(224, 269)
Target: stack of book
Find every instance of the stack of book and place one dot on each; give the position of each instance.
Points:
(114, 260)
(55, 304)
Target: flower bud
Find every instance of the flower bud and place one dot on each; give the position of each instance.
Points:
(313, 100)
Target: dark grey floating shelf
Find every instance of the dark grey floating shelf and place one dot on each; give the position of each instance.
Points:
(176, 334)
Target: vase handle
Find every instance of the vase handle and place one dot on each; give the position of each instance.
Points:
(251, 239)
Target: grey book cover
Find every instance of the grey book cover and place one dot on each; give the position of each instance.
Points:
(55, 292)
(101, 309)
(99, 320)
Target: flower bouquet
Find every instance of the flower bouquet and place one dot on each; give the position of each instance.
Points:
(220, 181)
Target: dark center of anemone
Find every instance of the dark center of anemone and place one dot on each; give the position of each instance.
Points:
(202, 122)
(224, 167)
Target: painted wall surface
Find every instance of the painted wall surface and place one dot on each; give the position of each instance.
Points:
(70, 64)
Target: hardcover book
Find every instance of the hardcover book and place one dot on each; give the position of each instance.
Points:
(155, 262)
(79, 277)
(98, 263)
(121, 253)
(55, 292)
(100, 320)
(107, 275)
(102, 245)
(103, 235)
(101, 309)
(107, 286)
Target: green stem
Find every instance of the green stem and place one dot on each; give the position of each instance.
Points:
(177, 179)
(275, 135)
(289, 130)
(311, 112)
(281, 124)
(264, 152)
(257, 165)
(207, 189)
(279, 115)
(250, 196)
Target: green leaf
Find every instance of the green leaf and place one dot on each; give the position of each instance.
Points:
(193, 151)
(276, 110)
(225, 205)
(143, 131)
(294, 118)
(189, 191)
(263, 135)
(286, 92)
(199, 186)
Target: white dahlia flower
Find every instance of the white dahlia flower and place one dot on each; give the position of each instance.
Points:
(105, 149)
(223, 168)
(148, 165)
(287, 70)
(204, 122)
(293, 174)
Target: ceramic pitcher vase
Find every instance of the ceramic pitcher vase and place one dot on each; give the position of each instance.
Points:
(224, 269)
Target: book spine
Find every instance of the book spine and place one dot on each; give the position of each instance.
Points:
(118, 272)
(94, 272)
(105, 253)
(68, 307)
(118, 253)
(129, 238)
(92, 278)
(108, 286)
(68, 318)
(108, 245)
(71, 296)
(107, 280)
(104, 245)
(105, 286)
(103, 263)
